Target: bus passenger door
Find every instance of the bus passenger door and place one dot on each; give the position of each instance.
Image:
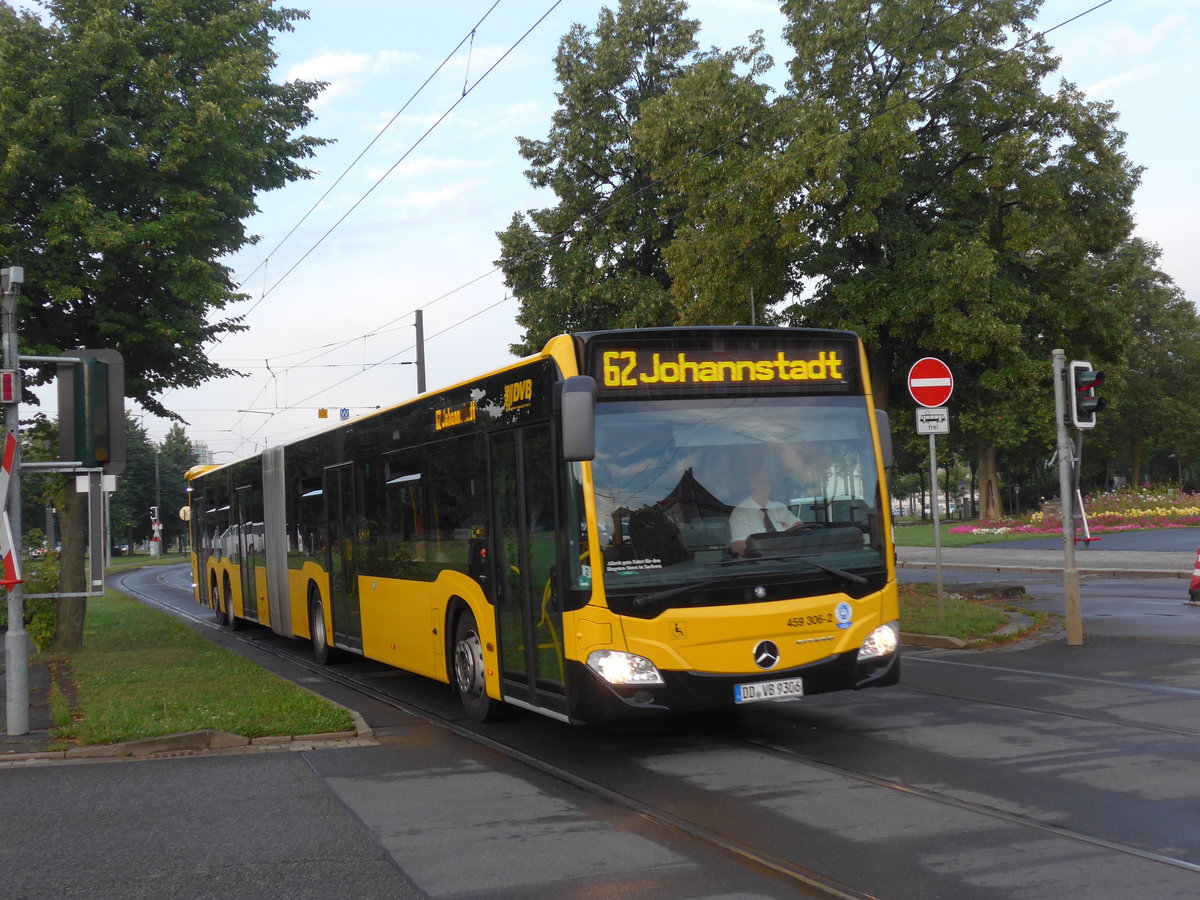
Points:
(248, 553)
(524, 553)
(198, 543)
(342, 555)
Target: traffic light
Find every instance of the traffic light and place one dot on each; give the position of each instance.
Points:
(1082, 383)
(91, 409)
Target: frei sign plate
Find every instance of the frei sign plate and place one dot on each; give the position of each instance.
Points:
(933, 420)
(930, 382)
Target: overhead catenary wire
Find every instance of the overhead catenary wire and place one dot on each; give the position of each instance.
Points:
(402, 158)
(471, 37)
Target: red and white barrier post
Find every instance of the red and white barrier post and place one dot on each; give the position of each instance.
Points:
(1194, 588)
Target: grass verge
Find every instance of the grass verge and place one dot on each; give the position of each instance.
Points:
(976, 618)
(143, 674)
(141, 560)
(922, 536)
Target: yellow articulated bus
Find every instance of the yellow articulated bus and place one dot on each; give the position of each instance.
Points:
(630, 522)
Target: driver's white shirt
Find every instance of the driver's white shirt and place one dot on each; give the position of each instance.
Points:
(747, 518)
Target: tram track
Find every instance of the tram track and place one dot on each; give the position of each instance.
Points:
(812, 883)
(975, 807)
(809, 882)
(1145, 687)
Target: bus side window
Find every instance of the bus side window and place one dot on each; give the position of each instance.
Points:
(404, 505)
(311, 519)
(458, 510)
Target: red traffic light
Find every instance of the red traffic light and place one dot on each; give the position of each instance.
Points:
(1084, 381)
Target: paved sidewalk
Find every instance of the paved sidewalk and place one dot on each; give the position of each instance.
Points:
(1090, 561)
(37, 739)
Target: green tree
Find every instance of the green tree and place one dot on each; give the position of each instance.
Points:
(129, 509)
(175, 456)
(1152, 413)
(595, 260)
(136, 138)
(928, 194)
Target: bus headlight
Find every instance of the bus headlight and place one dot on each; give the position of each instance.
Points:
(880, 642)
(623, 668)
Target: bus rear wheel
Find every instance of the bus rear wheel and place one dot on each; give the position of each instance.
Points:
(214, 599)
(469, 671)
(230, 620)
(322, 651)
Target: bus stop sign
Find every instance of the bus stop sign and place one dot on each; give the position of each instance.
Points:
(930, 382)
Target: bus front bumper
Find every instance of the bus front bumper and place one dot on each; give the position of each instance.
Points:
(597, 700)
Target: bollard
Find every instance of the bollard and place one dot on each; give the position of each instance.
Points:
(1194, 589)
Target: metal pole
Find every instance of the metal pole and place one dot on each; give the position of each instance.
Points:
(420, 353)
(937, 527)
(96, 530)
(16, 642)
(1066, 491)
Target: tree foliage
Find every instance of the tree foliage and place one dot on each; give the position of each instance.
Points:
(916, 181)
(129, 510)
(930, 195)
(595, 259)
(175, 456)
(1152, 416)
(134, 139)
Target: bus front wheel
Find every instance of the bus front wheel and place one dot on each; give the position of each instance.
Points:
(469, 671)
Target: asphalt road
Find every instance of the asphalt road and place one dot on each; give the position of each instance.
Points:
(1132, 584)
(1035, 772)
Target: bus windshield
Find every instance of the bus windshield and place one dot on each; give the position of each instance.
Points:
(778, 493)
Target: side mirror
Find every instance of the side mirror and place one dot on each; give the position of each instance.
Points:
(578, 418)
(884, 424)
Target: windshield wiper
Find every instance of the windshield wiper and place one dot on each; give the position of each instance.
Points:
(830, 570)
(647, 599)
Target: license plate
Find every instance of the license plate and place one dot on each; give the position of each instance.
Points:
(784, 689)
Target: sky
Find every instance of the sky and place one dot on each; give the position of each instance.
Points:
(346, 258)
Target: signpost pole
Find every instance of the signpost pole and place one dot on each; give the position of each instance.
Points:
(1066, 492)
(937, 527)
(16, 641)
(930, 383)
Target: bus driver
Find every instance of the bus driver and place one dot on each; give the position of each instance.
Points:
(759, 514)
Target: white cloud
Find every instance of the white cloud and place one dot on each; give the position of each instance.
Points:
(389, 60)
(347, 73)
(424, 200)
(330, 66)
(426, 165)
(1103, 89)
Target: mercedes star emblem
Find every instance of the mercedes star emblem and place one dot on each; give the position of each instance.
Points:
(766, 655)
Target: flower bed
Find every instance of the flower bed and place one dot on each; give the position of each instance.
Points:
(1127, 510)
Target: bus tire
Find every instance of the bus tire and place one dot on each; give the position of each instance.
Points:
(230, 621)
(214, 599)
(323, 652)
(469, 671)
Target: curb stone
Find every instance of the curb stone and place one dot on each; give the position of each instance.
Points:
(207, 741)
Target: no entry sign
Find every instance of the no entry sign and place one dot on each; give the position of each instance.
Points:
(930, 382)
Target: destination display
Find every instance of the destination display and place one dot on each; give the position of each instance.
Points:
(825, 366)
